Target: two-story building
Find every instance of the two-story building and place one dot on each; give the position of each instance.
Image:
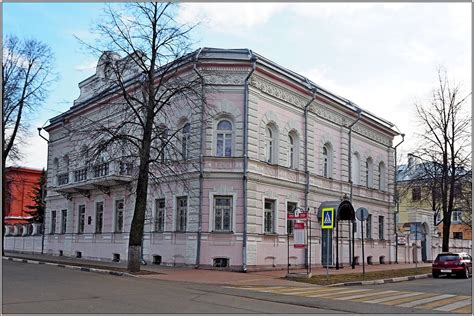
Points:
(269, 140)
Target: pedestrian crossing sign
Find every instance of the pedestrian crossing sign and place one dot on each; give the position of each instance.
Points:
(328, 218)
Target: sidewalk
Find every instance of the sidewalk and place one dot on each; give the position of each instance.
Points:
(187, 274)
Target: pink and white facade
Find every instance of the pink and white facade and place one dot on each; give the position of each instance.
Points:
(257, 163)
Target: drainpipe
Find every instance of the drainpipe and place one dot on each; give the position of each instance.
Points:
(42, 199)
(201, 164)
(359, 113)
(306, 169)
(253, 59)
(396, 198)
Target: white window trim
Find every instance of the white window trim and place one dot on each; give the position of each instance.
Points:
(95, 215)
(211, 210)
(286, 212)
(275, 213)
(62, 221)
(55, 222)
(114, 214)
(232, 147)
(155, 214)
(79, 217)
(175, 212)
(355, 160)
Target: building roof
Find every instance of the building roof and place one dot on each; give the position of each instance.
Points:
(243, 55)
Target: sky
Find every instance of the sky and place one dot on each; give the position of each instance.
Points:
(383, 57)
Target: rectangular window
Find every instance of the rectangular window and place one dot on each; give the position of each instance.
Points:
(119, 216)
(368, 226)
(223, 213)
(53, 222)
(457, 235)
(82, 218)
(160, 215)
(63, 221)
(269, 216)
(416, 194)
(99, 216)
(125, 168)
(381, 228)
(456, 217)
(290, 209)
(181, 213)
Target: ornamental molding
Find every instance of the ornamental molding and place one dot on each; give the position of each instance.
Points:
(230, 77)
(339, 119)
(277, 91)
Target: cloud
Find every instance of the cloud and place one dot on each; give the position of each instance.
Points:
(86, 65)
(416, 51)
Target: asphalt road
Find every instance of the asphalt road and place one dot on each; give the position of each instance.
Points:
(32, 288)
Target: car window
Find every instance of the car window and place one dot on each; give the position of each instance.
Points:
(447, 257)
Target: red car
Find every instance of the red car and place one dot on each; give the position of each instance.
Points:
(448, 263)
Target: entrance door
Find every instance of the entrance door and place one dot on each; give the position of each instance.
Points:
(325, 259)
(423, 248)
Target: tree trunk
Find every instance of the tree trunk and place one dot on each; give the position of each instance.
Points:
(446, 228)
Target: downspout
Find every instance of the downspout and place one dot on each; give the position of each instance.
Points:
(253, 59)
(359, 113)
(396, 198)
(306, 169)
(201, 164)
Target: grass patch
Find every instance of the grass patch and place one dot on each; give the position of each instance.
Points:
(369, 276)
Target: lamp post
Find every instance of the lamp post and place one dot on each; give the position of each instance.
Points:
(396, 198)
(43, 191)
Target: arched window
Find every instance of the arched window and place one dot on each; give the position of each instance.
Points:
(269, 142)
(355, 168)
(224, 139)
(381, 176)
(368, 173)
(327, 160)
(55, 164)
(185, 136)
(291, 151)
(66, 162)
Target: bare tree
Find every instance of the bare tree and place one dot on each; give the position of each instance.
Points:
(444, 147)
(145, 62)
(26, 77)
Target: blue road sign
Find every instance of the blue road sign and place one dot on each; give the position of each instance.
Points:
(328, 218)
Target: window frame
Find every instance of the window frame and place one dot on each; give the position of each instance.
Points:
(368, 227)
(97, 230)
(81, 220)
(63, 221)
(227, 136)
(290, 223)
(273, 216)
(291, 151)
(116, 216)
(381, 227)
(230, 215)
(269, 144)
(185, 138)
(159, 225)
(179, 226)
(53, 222)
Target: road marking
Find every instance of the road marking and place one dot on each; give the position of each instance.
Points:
(443, 302)
(464, 310)
(302, 291)
(391, 298)
(426, 300)
(348, 298)
(339, 293)
(321, 291)
(407, 299)
(450, 307)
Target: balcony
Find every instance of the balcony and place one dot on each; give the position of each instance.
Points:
(100, 176)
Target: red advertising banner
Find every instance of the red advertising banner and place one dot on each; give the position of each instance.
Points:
(299, 235)
(300, 215)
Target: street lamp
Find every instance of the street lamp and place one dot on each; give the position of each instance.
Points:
(43, 191)
(397, 198)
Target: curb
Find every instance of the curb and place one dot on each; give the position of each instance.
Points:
(392, 280)
(62, 265)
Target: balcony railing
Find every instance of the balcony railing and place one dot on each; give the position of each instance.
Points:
(63, 178)
(103, 174)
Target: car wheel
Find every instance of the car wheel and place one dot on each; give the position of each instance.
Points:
(435, 275)
(466, 273)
